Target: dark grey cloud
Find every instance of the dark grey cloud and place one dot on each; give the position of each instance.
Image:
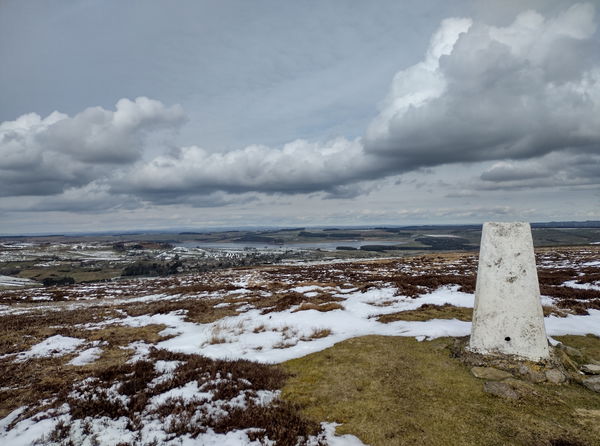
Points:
(555, 169)
(91, 198)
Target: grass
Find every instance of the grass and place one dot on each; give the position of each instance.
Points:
(18, 332)
(71, 269)
(285, 344)
(397, 391)
(260, 329)
(588, 346)
(429, 311)
(216, 339)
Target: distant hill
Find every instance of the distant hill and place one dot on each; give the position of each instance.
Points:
(442, 227)
(567, 224)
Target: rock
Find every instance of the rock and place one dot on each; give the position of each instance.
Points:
(592, 383)
(500, 389)
(532, 375)
(591, 369)
(490, 373)
(555, 376)
(572, 352)
(567, 361)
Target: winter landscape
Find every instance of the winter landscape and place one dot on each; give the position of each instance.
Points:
(263, 222)
(244, 354)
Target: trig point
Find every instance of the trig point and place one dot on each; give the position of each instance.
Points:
(508, 317)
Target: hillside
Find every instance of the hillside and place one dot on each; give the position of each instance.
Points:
(286, 353)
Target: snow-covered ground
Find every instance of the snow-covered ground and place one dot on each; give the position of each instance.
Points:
(280, 336)
(51, 347)
(583, 286)
(248, 330)
(10, 281)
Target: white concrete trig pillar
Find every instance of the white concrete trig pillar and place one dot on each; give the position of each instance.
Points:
(508, 317)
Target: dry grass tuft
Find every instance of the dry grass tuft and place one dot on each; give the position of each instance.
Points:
(330, 306)
(259, 329)
(284, 301)
(558, 312)
(217, 340)
(285, 344)
(317, 334)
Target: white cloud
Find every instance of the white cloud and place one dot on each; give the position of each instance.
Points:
(105, 136)
(510, 171)
(491, 93)
(298, 167)
(41, 156)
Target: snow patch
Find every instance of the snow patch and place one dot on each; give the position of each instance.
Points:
(581, 286)
(51, 347)
(343, 440)
(86, 356)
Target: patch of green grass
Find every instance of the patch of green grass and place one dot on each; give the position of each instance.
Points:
(428, 311)
(397, 391)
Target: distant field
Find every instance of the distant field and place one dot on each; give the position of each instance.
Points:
(99, 258)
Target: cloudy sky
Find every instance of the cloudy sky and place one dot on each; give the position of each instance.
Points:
(146, 115)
